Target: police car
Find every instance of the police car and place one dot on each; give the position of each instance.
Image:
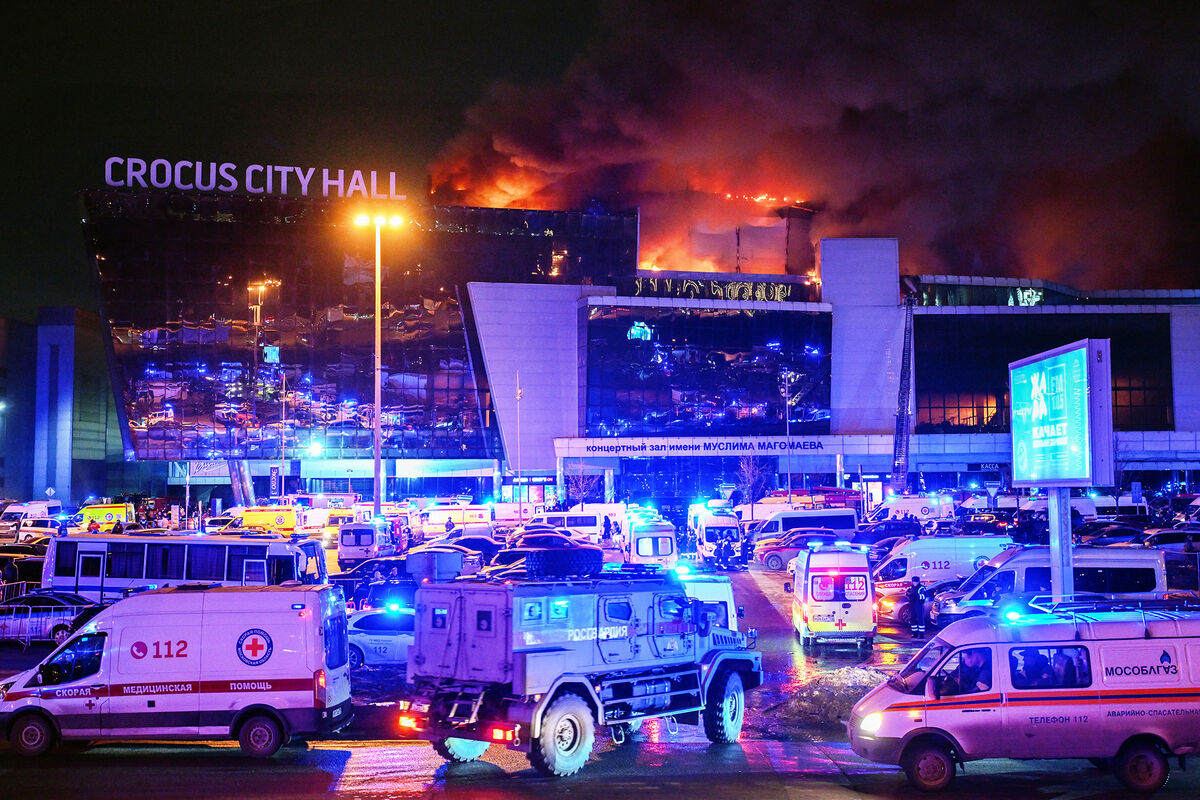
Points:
(381, 637)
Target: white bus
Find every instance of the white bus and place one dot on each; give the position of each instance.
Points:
(102, 567)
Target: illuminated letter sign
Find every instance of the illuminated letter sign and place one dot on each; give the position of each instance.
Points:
(1061, 410)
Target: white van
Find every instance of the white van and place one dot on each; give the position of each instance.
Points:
(652, 542)
(833, 596)
(926, 508)
(1118, 687)
(10, 520)
(585, 523)
(835, 519)
(935, 559)
(711, 530)
(257, 664)
(1111, 571)
(358, 541)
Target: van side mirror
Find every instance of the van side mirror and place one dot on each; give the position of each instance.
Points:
(931, 691)
(787, 587)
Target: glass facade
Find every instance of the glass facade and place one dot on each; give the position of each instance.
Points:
(668, 371)
(962, 366)
(200, 373)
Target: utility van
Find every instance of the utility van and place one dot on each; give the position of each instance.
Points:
(1118, 687)
(833, 597)
(10, 520)
(358, 541)
(925, 509)
(934, 559)
(835, 519)
(652, 542)
(259, 665)
(1121, 572)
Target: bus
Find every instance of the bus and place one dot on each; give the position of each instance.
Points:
(104, 567)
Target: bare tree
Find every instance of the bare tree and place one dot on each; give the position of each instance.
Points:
(751, 479)
(580, 486)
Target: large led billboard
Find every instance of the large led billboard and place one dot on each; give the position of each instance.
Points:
(1061, 405)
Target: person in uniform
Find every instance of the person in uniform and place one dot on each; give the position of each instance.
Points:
(915, 595)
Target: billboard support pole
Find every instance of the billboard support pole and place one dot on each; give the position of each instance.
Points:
(1062, 573)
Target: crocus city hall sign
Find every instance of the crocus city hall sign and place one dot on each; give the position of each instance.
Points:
(211, 176)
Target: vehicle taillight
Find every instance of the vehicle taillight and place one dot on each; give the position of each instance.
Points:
(875, 613)
(409, 721)
(319, 689)
(804, 613)
(499, 734)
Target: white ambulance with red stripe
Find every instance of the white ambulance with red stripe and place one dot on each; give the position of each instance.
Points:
(257, 664)
(1119, 686)
(834, 598)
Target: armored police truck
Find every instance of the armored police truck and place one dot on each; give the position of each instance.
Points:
(535, 664)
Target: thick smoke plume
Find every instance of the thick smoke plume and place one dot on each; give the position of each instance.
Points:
(1042, 139)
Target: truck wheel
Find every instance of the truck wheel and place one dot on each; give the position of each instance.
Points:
(459, 750)
(1142, 767)
(32, 736)
(774, 562)
(725, 709)
(566, 739)
(260, 736)
(356, 657)
(929, 766)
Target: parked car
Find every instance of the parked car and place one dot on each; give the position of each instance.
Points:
(31, 528)
(355, 581)
(40, 614)
(776, 555)
(1175, 540)
(875, 532)
(485, 546)
(879, 551)
(897, 607)
(1116, 534)
(549, 538)
(380, 636)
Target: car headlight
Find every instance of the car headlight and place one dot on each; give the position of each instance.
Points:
(871, 722)
(4, 687)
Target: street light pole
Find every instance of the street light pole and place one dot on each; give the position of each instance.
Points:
(376, 427)
(785, 388)
(520, 494)
(377, 421)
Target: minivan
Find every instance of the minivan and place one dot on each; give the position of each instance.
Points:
(835, 519)
(1122, 572)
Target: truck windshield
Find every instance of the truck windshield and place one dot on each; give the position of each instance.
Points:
(914, 671)
(980, 575)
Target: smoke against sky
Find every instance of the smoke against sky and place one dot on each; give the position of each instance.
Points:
(1036, 139)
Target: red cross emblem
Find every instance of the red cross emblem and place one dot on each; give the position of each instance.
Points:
(841, 623)
(254, 647)
(91, 704)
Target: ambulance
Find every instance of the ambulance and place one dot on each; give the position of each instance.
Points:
(833, 597)
(934, 559)
(256, 664)
(106, 515)
(287, 520)
(1116, 683)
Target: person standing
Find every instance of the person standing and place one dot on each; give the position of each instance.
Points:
(916, 596)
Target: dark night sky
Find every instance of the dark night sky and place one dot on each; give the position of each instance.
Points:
(371, 85)
(1028, 138)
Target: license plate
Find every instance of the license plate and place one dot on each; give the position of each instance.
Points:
(337, 712)
(421, 707)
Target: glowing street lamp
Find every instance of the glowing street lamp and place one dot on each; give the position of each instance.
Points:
(380, 221)
(255, 292)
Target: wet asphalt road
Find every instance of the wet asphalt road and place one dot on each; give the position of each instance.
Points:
(659, 763)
